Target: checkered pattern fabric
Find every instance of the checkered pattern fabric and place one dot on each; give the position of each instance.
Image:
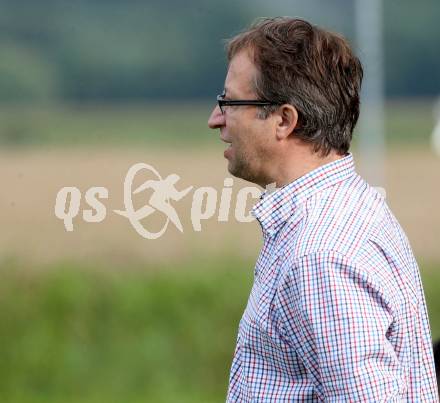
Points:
(337, 310)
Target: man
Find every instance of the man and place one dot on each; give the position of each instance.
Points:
(337, 311)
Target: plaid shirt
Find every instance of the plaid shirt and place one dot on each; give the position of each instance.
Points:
(337, 311)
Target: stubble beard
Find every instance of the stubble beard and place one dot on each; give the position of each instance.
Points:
(241, 167)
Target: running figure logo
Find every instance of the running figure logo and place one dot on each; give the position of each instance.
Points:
(164, 190)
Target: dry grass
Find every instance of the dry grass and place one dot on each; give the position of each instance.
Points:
(31, 179)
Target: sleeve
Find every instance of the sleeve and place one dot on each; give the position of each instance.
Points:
(336, 318)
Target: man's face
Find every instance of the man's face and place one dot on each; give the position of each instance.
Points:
(250, 138)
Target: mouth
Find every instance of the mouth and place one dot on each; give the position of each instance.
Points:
(228, 148)
(227, 141)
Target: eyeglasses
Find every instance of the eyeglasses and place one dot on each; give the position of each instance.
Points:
(222, 102)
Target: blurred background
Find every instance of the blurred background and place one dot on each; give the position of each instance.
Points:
(89, 88)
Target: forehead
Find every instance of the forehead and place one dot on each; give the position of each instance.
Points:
(241, 75)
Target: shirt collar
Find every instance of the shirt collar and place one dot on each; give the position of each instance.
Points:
(275, 207)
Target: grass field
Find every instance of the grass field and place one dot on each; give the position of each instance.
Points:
(75, 334)
(409, 122)
(163, 124)
(78, 334)
(102, 315)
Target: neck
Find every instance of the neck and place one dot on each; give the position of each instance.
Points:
(298, 162)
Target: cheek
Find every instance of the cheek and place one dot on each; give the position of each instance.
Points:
(263, 148)
(249, 134)
(237, 130)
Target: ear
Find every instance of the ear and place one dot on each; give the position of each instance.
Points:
(287, 120)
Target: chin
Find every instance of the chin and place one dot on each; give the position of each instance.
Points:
(242, 174)
(242, 171)
(233, 171)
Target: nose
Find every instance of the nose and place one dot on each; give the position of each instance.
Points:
(217, 119)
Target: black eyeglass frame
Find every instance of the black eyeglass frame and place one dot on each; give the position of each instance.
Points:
(238, 102)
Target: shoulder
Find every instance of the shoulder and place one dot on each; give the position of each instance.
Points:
(339, 219)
